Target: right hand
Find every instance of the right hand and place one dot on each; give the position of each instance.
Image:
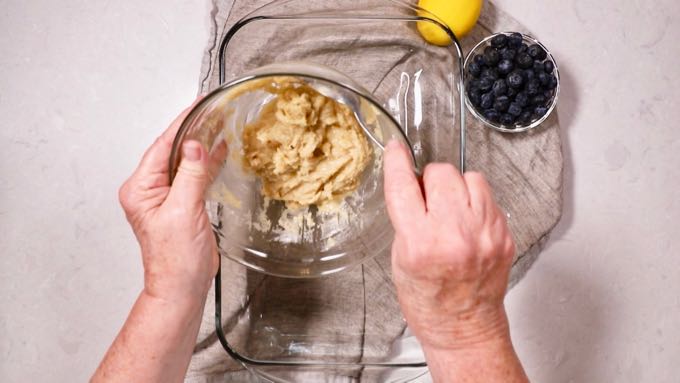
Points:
(451, 255)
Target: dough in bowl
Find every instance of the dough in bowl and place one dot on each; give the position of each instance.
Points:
(307, 148)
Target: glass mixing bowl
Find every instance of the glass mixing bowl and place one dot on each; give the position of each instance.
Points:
(266, 235)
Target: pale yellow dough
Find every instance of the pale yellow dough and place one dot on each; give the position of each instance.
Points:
(307, 148)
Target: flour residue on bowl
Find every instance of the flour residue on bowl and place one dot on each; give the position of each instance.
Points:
(220, 192)
(295, 226)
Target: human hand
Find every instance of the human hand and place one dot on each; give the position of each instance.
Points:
(179, 251)
(451, 255)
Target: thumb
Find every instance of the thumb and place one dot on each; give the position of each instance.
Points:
(192, 176)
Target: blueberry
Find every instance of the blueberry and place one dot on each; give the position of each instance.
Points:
(524, 61)
(501, 104)
(500, 87)
(525, 118)
(528, 74)
(472, 83)
(475, 96)
(508, 54)
(539, 67)
(522, 99)
(552, 84)
(479, 59)
(535, 51)
(515, 79)
(538, 100)
(487, 100)
(548, 66)
(544, 78)
(508, 120)
(505, 67)
(491, 56)
(540, 111)
(548, 94)
(512, 92)
(499, 41)
(515, 109)
(485, 83)
(474, 69)
(491, 115)
(522, 48)
(533, 87)
(491, 73)
(515, 40)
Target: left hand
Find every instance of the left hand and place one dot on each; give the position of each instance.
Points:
(179, 251)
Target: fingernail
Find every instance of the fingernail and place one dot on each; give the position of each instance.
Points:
(191, 150)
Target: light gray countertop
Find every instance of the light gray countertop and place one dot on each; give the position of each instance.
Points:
(85, 87)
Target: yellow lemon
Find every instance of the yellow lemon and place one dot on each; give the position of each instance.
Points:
(459, 15)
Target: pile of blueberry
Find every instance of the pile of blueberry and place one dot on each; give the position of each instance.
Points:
(511, 83)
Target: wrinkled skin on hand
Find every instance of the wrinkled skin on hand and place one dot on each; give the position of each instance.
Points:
(451, 255)
(171, 224)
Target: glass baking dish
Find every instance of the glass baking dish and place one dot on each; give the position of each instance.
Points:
(348, 324)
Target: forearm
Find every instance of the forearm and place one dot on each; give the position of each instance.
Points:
(155, 343)
(489, 361)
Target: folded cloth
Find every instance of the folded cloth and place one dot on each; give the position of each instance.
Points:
(359, 305)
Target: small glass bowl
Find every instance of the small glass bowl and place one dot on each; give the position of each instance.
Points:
(263, 234)
(517, 128)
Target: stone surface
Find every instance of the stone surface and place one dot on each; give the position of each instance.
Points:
(87, 86)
